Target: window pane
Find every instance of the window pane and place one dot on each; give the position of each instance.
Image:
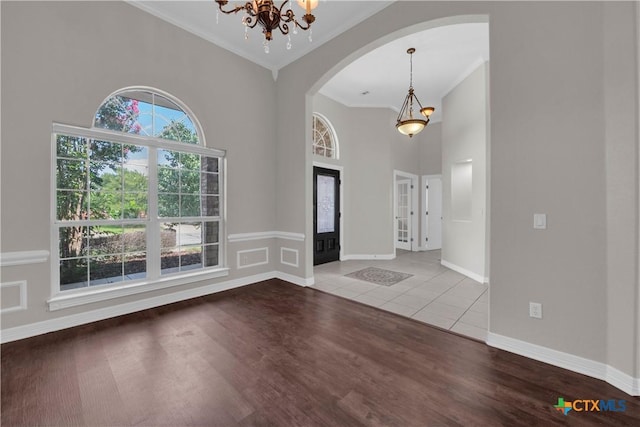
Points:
(105, 205)
(135, 205)
(72, 205)
(169, 261)
(209, 164)
(210, 255)
(209, 183)
(172, 123)
(189, 233)
(74, 273)
(71, 174)
(326, 204)
(105, 177)
(134, 238)
(189, 182)
(121, 113)
(210, 206)
(73, 242)
(135, 181)
(135, 266)
(168, 205)
(105, 151)
(190, 161)
(105, 269)
(168, 235)
(168, 158)
(105, 240)
(71, 146)
(190, 258)
(168, 180)
(211, 232)
(189, 205)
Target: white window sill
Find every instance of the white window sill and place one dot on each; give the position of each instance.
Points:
(90, 295)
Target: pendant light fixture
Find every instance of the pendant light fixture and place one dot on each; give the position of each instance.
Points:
(407, 124)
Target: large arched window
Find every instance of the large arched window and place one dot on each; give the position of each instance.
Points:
(138, 196)
(325, 142)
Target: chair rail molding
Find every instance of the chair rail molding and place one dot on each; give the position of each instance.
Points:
(23, 257)
(259, 235)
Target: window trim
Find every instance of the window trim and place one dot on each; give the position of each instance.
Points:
(70, 298)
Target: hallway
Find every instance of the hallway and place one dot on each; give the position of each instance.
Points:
(433, 294)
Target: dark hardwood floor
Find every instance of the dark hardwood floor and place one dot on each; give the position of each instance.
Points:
(274, 354)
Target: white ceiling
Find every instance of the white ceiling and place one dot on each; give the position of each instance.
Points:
(444, 55)
(333, 17)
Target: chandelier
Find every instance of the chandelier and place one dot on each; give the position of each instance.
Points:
(407, 124)
(270, 17)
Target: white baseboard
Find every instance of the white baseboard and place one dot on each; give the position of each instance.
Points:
(309, 281)
(59, 323)
(601, 371)
(358, 257)
(468, 273)
(624, 382)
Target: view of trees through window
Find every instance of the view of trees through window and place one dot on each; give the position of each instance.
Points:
(104, 214)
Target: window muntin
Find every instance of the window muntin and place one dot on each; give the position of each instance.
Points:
(324, 139)
(118, 199)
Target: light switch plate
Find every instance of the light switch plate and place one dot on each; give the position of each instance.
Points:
(539, 221)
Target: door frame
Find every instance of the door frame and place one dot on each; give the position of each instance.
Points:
(401, 183)
(340, 169)
(423, 210)
(414, 206)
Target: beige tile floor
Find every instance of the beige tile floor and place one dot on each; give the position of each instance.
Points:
(434, 294)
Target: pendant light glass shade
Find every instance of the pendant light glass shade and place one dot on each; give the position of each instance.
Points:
(411, 127)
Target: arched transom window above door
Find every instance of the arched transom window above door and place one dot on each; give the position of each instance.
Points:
(325, 142)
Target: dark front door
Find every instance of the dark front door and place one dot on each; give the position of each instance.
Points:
(326, 215)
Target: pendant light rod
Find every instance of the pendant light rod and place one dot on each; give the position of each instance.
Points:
(411, 51)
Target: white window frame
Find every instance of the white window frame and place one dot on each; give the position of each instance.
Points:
(154, 281)
(333, 137)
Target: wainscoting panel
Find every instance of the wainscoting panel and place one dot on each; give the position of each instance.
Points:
(252, 257)
(13, 296)
(289, 257)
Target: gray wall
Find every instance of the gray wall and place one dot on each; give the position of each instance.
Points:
(464, 137)
(546, 156)
(59, 62)
(430, 150)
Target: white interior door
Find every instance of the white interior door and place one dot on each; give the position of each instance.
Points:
(403, 214)
(433, 197)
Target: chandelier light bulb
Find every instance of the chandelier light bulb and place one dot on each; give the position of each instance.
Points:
(308, 5)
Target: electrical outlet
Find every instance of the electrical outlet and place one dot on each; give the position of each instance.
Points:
(535, 310)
